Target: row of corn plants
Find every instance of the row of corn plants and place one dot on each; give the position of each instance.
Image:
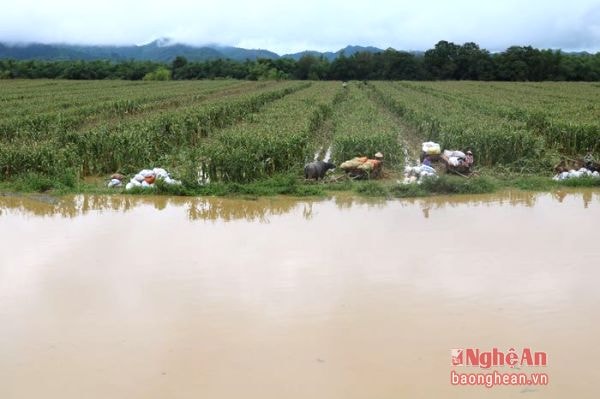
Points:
(36, 157)
(567, 115)
(85, 109)
(134, 144)
(131, 145)
(495, 140)
(19, 99)
(278, 139)
(362, 128)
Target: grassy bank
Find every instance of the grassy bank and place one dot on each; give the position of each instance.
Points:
(449, 185)
(296, 186)
(284, 184)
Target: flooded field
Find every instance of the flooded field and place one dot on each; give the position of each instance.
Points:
(158, 297)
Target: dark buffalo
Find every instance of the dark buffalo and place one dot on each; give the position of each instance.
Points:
(317, 169)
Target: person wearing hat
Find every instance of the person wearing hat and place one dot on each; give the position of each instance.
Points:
(469, 159)
(379, 165)
(589, 161)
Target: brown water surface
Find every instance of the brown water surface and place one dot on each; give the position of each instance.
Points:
(158, 297)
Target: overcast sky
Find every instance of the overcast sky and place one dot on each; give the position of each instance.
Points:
(291, 26)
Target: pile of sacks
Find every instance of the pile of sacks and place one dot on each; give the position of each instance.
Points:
(361, 163)
(147, 177)
(575, 174)
(454, 157)
(116, 180)
(416, 174)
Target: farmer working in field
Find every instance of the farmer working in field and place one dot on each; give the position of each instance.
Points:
(589, 160)
(469, 159)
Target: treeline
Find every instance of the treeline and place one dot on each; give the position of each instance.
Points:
(446, 61)
(79, 70)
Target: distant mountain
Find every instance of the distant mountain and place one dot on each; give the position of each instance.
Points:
(578, 53)
(241, 54)
(347, 51)
(40, 52)
(158, 50)
(163, 49)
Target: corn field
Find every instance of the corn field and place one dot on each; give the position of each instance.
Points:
(242, 131)
(503, 123)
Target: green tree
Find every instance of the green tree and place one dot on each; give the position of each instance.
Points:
(472, 63)
(160, 73)
(177, 65)
(441, 61)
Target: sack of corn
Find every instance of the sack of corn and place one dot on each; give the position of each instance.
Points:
(431, 148)
(353, 163)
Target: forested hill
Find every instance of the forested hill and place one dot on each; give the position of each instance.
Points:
(161, 50)
(446, 61)
(330, 56)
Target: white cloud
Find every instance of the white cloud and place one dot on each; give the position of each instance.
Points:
(321, 25)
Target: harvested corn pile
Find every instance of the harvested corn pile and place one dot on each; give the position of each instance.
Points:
(147, 177)
(575, 174)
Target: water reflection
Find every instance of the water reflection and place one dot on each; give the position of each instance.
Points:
(350, 305)
(227, 209)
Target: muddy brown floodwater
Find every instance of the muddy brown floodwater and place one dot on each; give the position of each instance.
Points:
(130, 297)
